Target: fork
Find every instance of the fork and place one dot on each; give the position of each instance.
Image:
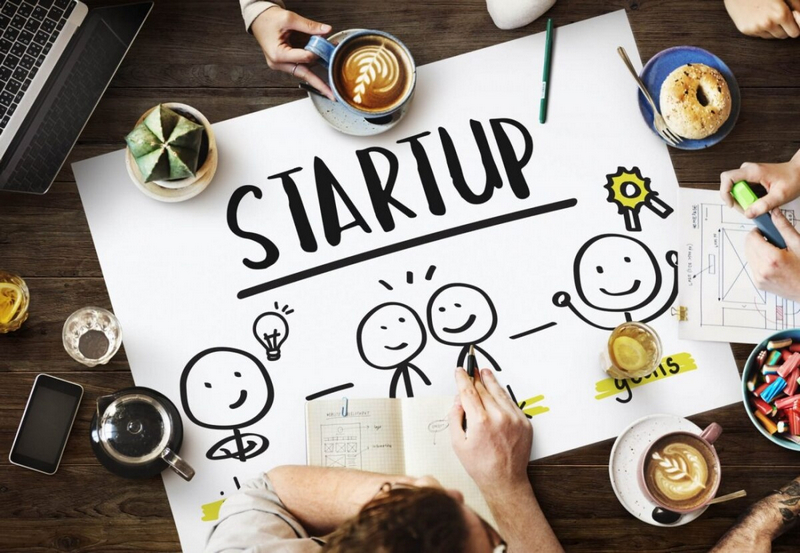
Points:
(658, 122)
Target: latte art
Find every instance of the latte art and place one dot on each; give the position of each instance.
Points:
(680, 471)
(373, 73)
(378, 72)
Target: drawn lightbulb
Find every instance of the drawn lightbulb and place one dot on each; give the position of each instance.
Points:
(271, 330)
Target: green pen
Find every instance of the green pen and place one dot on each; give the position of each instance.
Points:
(548, 49)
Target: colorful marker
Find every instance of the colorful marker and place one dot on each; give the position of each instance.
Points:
(745, 197)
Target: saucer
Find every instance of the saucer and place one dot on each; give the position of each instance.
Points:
(339, 117)
(662, 64)
(624, 463)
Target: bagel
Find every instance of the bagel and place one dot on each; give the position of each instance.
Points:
(695, 100)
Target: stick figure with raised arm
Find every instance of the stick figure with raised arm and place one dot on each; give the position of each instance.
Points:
(462, 315)
(389, 337)
(617, 273)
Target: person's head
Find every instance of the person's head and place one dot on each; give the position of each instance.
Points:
(422, 518)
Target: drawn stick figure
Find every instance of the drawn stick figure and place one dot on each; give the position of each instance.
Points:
(617, 273)
(228, 389)
(389, 337)
(462, 315)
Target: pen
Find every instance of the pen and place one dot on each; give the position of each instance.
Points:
(308, 88)
(548, 49)
(472, 365)
(472, 362)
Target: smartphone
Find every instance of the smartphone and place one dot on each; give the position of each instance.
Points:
(45, 425)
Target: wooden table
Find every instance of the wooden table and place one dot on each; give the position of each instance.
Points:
(197, 52)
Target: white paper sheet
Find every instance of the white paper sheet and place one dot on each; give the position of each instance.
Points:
(717, 285)
(174, 271)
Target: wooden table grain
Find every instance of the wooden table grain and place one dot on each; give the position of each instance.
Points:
(197, 52)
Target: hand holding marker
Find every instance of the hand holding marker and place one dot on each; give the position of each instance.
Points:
(745, 197)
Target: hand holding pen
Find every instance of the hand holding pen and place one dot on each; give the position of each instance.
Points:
(497, 447)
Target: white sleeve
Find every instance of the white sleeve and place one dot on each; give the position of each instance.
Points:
(254, 520)
(253, 8)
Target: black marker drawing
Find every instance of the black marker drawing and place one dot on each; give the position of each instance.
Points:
(271, 331)
(228, 389)
(630, 192)
(406, 244)
(617, 273)
(625, 384)
(329, 391)
(514, 399)
(389, 337)
(462, 315)
(236, 482)
(533, 330)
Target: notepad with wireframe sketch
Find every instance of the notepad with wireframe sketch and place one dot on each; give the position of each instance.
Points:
(395, 436)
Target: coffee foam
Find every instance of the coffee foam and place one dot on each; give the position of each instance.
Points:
(680, 471)
(373, 73)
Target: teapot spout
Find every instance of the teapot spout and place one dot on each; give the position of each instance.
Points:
(102, 404)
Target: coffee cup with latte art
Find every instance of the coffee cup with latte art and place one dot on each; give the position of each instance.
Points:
(371, 73)
(680, 471)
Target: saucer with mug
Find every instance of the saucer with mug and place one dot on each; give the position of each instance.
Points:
(667, 462)
(371, 73)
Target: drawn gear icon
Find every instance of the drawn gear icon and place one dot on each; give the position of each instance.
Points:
(629, 190)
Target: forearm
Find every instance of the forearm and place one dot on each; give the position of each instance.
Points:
(520, 520)
(323, 498)
(251, 9)
(764, 521)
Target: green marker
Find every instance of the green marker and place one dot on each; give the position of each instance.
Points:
(548, 49)
(745, 197)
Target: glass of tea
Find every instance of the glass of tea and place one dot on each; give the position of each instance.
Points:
(14, 300)
(634, 351)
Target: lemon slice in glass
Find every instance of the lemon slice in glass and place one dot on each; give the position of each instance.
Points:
(629, 354)
(10, 300)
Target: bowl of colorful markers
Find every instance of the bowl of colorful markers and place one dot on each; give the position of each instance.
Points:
(771, 388)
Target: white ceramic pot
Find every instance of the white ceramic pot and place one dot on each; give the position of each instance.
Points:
(182, 189)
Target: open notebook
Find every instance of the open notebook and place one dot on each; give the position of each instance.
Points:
(395, 436)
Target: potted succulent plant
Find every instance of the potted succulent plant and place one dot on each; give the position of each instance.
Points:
(171, 154)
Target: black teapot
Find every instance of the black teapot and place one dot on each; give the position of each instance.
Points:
(137, 433)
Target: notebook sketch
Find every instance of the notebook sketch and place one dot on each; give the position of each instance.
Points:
(716, 283)
(393, 436)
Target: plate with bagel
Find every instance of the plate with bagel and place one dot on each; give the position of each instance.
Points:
(696, 93)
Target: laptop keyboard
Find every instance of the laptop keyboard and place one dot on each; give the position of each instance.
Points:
(28, 29)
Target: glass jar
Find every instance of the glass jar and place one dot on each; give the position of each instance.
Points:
(14, 300)
(633, 351)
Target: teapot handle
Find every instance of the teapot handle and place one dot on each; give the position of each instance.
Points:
(177, 464)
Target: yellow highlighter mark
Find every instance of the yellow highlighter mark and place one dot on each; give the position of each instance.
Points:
(670, 366)
(533, 410)
(211, 510)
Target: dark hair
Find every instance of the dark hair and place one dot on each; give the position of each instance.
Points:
(418, 520)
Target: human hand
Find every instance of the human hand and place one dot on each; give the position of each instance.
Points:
(782, 181)
(767, 18)
(497, 444)
(776, 270)
(272, 30)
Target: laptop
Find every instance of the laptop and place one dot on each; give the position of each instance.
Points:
(56, 59)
